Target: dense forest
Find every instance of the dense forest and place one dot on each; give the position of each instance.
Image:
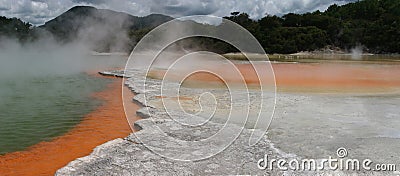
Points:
(372, 24)
(13, 27)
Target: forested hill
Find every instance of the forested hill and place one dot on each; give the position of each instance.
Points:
(371, 24)
(13, 27)
(107, 29)
(102, 30)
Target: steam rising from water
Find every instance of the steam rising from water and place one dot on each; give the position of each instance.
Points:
(99, 30)
(43, 57)
(42, 91)
(356, 52)
(47, 57)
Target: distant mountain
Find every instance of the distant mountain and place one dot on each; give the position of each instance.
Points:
(106, 29)
(372, 25)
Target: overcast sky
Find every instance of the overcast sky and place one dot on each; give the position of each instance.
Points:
(39, 11)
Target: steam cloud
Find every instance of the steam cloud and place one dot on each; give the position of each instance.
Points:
(47, 55)
(356, 52)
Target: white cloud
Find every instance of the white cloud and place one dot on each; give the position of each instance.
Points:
(40, 11)
(36, 11)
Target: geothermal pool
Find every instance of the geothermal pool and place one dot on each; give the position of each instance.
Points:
(35, 109)
(317, 77)
(320, 106)
(39, 103)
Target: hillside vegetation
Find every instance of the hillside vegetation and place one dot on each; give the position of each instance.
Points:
(373, 25)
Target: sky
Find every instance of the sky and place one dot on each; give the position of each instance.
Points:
(38, 12)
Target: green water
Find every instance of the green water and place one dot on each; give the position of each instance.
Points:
(40, 108)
